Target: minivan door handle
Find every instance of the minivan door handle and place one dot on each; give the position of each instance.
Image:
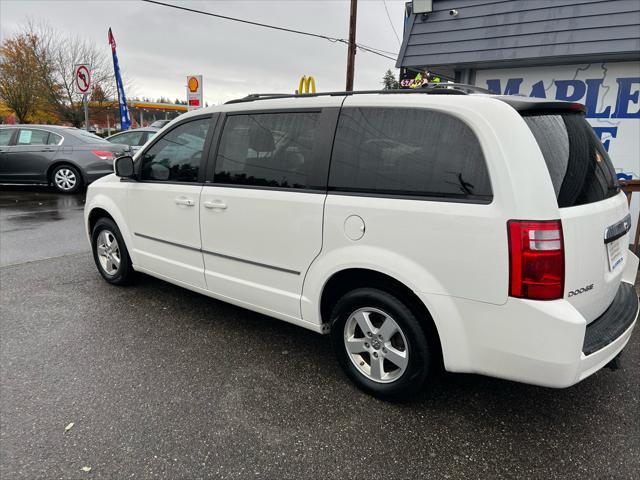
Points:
(215, 204)
(184, 201)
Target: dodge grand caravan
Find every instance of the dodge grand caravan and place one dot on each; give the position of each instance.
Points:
(447, 227)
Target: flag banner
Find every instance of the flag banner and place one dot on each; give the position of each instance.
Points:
(125, 122)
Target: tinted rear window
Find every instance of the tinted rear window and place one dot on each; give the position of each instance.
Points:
(408, 152)
(580, 168)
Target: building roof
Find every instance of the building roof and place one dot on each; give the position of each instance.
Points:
(143, 105)
(500, 33)
(157, 106)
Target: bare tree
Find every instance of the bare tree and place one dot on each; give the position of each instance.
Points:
(57, 56)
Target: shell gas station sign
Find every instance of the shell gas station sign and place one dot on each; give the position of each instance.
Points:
(194, 92)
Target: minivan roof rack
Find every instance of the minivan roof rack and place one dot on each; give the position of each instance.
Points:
(432, 88)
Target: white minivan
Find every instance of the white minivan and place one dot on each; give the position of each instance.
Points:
(434, 227)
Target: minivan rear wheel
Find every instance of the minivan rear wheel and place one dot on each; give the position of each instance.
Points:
(380, 343)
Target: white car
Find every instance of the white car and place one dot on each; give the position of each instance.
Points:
(483, 233)
(135, 138)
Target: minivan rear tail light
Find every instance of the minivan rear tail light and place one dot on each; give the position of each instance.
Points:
(103, 154)
(536, 259)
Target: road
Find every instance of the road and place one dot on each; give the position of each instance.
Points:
(37, 223)
(160, 382)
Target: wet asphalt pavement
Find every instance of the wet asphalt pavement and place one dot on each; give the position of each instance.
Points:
(164, 383)
(37, 223)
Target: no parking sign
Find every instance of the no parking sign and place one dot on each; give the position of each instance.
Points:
(82, 78)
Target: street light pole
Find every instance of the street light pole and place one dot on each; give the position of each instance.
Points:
(351, 55)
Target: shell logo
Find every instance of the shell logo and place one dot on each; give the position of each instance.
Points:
(193, 84)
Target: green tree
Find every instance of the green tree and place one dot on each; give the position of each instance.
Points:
(389, 81)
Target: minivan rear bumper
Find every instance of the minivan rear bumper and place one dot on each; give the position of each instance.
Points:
(606, 336)
(546, 343)
(614, 322)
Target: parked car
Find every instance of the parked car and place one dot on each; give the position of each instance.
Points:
(133, 138)
(484, 233)
(67, 158)
(158, 124)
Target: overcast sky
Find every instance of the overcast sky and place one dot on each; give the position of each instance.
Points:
(159, 46)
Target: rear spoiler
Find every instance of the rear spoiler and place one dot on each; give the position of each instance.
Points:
(527, 105)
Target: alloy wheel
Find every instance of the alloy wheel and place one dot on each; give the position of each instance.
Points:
(108, 252)
(376, 345)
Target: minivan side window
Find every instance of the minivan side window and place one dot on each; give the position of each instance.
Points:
(177, 155)
(408, 152)
(270, 149)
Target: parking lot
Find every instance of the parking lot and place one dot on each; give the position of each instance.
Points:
(160, 382)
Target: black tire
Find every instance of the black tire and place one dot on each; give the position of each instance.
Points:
(69, 172)
(124, 272)
(419, 354)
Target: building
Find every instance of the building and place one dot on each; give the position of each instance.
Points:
(586, 51)
(103, 115)
(142, 114)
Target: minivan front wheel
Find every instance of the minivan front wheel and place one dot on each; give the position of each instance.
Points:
(380, 343)
(66, 179)
(110, 253)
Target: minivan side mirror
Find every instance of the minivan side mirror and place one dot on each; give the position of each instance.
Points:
(123, 167)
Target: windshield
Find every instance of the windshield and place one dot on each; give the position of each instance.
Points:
(580, 168)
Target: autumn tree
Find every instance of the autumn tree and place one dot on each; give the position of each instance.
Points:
(19, 80)
(36, 70)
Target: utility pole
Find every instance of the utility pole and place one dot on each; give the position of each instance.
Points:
(351, 55)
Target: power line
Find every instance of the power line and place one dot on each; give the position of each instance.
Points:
(370, 50)
(391, 22)
(366, 48)
(234, 19)
(377, 49)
